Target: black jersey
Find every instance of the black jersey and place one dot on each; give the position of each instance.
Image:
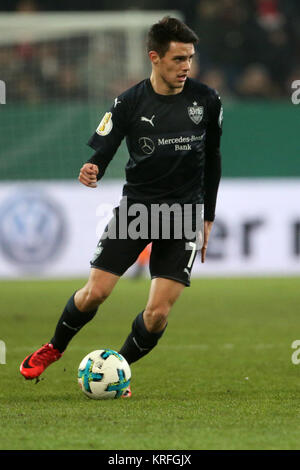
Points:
(173, 143)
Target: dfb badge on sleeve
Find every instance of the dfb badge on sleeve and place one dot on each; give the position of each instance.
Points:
(105, 125)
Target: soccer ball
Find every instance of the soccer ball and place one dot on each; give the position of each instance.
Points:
(104, 374)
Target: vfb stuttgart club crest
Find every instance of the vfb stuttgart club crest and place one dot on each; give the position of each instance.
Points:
(196, 112)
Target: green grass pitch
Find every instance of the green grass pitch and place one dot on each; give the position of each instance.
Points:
(220, 378)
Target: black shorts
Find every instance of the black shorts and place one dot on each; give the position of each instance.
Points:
(170, 258)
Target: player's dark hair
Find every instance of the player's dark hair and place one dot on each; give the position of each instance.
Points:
(166, 30)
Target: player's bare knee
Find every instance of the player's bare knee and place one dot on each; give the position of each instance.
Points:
(155, 318)
(97, 295)
(90, 297)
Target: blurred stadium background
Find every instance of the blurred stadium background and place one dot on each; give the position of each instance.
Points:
(63, 63)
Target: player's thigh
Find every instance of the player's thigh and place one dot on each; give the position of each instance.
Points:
(102, 282)
(163, 293)
(173, 259)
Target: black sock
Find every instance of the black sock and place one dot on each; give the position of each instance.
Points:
(71, 321)
(140, 341)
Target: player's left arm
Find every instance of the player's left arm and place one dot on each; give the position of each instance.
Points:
(212, 172)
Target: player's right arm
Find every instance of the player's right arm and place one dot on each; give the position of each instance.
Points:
(105, 141)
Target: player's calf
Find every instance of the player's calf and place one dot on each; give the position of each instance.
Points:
(70, 323)
(140, 341)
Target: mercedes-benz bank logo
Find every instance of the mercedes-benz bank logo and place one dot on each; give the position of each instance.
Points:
(147, 145)
(32, 229)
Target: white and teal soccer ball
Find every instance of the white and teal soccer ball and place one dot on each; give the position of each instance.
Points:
(104, 374)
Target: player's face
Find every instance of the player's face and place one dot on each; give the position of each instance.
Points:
(173, 68)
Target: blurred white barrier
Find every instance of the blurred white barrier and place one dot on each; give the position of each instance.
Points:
(50, 229)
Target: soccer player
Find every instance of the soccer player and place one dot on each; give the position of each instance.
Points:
(172, 126)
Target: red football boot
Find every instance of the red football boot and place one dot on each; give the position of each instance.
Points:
(34, 364)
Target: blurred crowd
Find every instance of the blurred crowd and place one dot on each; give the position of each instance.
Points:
(36, 72)
(248, 49)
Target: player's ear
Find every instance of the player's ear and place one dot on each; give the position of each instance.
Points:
(154, 57)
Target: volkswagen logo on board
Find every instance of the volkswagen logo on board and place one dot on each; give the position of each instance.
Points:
(32, 229)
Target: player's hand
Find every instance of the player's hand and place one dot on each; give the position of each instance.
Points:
(88, 175)
(207, 229)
